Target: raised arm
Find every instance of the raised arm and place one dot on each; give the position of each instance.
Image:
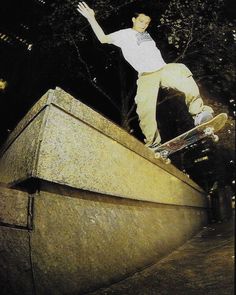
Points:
(89, 13)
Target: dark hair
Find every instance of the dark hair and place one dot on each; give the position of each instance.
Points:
(136, 14)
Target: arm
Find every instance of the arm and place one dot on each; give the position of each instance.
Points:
(89, 13)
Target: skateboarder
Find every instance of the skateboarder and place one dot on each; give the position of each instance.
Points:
(141, 52)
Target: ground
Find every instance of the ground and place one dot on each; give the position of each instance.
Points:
(204, 265)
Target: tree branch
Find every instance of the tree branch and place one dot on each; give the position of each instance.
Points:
(187, 45)
(90, 77)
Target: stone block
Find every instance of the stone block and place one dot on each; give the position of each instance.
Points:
(14, 206)
(80, 241)
(63, 141)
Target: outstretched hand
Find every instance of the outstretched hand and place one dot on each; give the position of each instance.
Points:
(85, 10)
(89, 13)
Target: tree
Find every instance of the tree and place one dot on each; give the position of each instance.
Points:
(200, 35)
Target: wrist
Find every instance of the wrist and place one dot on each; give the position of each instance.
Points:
(91, 18)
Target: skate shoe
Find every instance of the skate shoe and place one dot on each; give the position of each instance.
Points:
(203, 117)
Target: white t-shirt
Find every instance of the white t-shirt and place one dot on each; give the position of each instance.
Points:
(139, 49)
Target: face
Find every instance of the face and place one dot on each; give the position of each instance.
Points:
(141, 22)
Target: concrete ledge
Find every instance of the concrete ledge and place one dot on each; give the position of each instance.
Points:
(63, 141)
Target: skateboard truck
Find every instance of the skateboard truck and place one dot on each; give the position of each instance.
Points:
(209, 131)
(163, 155)
(191, 137)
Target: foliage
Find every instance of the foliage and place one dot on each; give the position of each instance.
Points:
(65, 19)
(202, 37)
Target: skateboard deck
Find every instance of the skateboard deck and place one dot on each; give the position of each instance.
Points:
(207, 129)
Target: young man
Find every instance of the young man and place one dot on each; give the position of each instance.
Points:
(140, 51)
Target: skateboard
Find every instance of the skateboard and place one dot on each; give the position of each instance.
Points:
(207, 129)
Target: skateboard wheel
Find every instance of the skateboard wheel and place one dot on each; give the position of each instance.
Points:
(209, 131)
(167, 161)
(157, 155)
(215, 138)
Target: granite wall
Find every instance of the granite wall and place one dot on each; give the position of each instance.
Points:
(84, 204)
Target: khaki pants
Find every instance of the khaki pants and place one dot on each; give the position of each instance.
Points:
(175, 76)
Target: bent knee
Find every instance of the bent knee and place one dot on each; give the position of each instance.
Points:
(185, 70)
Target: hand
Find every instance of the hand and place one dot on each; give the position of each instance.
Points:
(85, 10)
